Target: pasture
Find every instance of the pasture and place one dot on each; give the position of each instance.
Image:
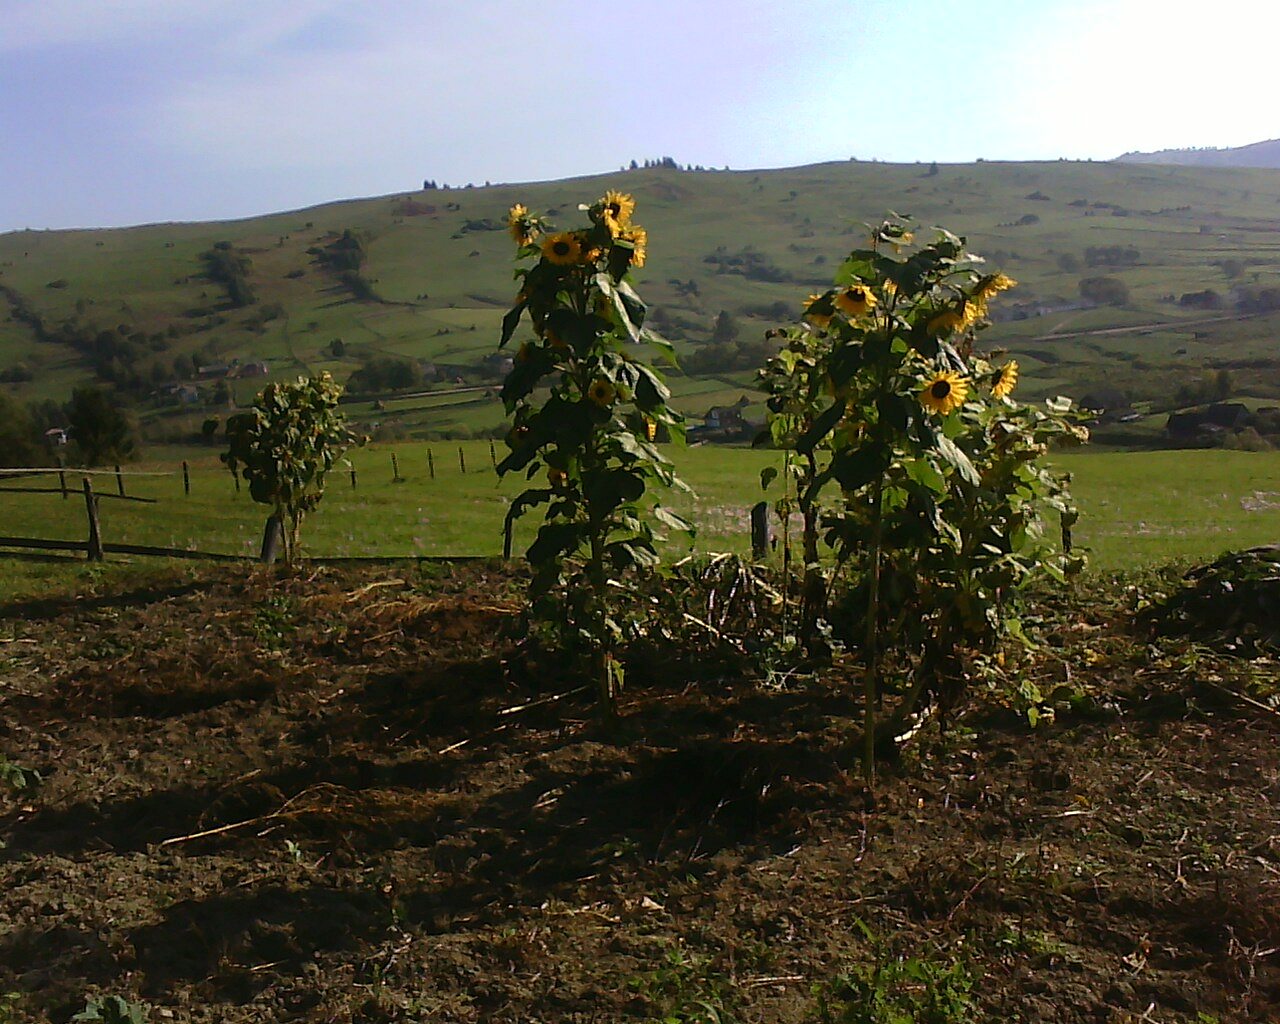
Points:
(1137, 508)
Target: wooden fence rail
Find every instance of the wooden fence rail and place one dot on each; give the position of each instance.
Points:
(59, 490)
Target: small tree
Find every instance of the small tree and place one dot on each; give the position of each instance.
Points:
(101, 431)
(285, 445)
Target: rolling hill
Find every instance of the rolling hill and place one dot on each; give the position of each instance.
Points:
(1196, 251)
(1256, 154)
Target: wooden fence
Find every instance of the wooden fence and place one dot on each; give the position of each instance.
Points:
(95, 548)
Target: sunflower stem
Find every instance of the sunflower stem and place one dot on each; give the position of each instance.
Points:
(871, 679)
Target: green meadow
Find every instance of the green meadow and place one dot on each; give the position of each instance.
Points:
(752, 243)
(1138, 509)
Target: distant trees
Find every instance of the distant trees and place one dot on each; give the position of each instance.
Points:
(1207, 299)
(18, 373)
(1112, 256)
(1105, 291)
(18, 435)
(101, 430)
(230, 268)
(725, 329)
(384, 373)
(346, 256)
(1253, 299)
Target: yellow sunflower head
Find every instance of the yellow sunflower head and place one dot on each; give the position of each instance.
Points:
(616, 209)
(818, 309)
(522, 230)
(639, 239)
(946, 322)
(1006, 379)
(602, 392)
(855, 300)
(564, 249)
(993, 284)
(944, 393)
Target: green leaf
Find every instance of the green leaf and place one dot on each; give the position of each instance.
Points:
(674, 521)
(822, 426)
(510, 322)
(925, 473)
(958, 459)
(767, 476)
(553, 541)
(856, 468)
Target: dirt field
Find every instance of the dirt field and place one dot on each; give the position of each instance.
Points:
(332, 797)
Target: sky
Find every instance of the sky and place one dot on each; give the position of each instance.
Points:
(118, 112)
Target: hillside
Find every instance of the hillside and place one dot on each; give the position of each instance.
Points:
(1256, 154)
(427, 277)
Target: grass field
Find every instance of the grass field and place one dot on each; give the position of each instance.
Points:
(1137, 508)
(444, 285)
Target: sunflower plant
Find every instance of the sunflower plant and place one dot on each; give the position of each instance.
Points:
(586, 411)
(913, 463)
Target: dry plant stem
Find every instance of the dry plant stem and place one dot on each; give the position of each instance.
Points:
(871, 679)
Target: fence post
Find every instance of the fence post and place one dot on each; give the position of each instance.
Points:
(119, 481)
(235, 475)
(272, 540)
(760, 530)
(395, 469)
(95, 533)
(353, 478)
(186, 478)
(507, 526)
(431, 464)
(462, 460)
(493, 454)
(62, 478)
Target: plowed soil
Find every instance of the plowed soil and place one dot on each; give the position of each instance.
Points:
(338, 796)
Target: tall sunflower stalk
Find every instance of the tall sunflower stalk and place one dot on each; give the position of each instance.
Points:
(588, 410)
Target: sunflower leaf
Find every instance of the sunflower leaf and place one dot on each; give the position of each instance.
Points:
(948, 449)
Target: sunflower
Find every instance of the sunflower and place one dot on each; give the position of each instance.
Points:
(522, 231)
(818, 309)
(1006, 379)
(992, 285)
(946, 322)
(564, 249)
(602, 392)
(557, 478)
(639, 239)
(525, 352)
(516, 436)
(616, 209)
(855, 300)
(945, 393)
